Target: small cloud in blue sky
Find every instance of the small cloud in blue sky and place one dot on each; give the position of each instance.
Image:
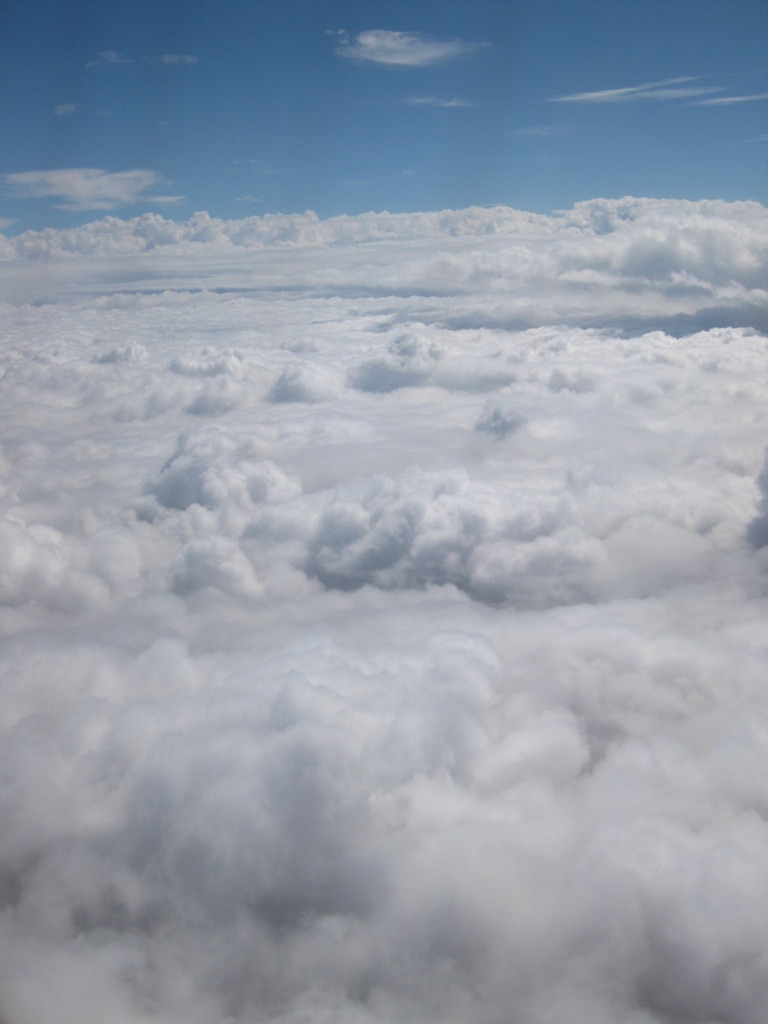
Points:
(435, 101)
(406, 49)
(260, 166)
(545, 131)
(89, 188)
(668, 89)
(106, 58)
(178, 58)
(281, 88)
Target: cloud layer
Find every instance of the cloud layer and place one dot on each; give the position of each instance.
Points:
(383, 610)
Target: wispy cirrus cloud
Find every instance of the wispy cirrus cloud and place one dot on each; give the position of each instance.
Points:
(178, 58)
(111, 58)
(405, 49)
(62, 109)
(89, 188)
(261, 166)
(107, 58)
(435, 101)
(668, 89)
(724, 101)
(544, 131)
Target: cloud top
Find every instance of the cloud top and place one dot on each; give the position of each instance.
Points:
(382, 608)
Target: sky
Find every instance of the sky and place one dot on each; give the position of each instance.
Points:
(252, 108)
(383, 513)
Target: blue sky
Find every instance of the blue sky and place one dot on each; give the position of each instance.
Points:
(243, 108)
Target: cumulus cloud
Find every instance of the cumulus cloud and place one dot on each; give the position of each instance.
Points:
(406, 49)
(382, 604)
(89, 188)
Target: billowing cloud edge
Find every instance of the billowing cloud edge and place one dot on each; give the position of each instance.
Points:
(151, 231)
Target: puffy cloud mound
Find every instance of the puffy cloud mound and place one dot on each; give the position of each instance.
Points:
(382, 606)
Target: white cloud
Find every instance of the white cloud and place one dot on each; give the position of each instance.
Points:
(668, 89)
(89, 188)
(260, 166)
(435, 101)
(545, 131)
(108, 58)
(408, 49)
(178, 58)
(382, 605)
(724, 101)
(62, 109)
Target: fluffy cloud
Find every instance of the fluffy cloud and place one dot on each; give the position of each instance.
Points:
(88, 188)
(409, 49)
(382, 604)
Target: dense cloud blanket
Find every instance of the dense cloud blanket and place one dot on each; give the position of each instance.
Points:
(383, 611)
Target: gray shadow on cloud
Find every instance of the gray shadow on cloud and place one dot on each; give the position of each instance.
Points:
(757, 531)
